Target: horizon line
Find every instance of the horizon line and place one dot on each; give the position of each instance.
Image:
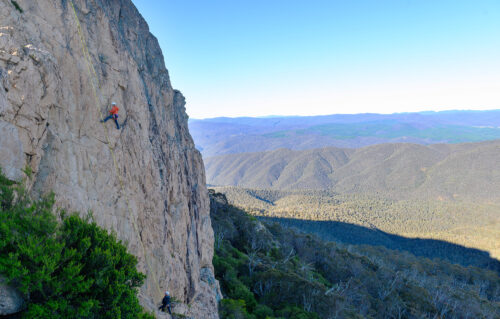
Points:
(333, 114)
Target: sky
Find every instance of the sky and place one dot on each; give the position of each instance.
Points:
(296, 57)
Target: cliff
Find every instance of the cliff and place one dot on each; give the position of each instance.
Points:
(49, 122)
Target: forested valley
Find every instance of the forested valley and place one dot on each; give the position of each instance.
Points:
(362, 218)
(268, 271)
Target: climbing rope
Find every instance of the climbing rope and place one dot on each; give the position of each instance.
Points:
(95, 88)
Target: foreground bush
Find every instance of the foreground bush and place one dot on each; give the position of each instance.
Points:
(65, 269)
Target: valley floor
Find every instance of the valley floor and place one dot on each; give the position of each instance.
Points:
(375, 219)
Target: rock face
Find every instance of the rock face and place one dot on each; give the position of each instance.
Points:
(11, 300)
(49, 121)
(11, 161)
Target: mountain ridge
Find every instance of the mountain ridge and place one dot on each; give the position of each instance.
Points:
(407, 170)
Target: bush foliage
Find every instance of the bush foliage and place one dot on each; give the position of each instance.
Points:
(67, 268)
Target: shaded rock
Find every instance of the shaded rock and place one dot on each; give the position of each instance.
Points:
(11, 300)
(207, 276)
(11, 151)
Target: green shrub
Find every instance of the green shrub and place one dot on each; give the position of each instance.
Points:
(242, 292)
(294, 312)
(263, 312)
(233, 309)
(66, 269)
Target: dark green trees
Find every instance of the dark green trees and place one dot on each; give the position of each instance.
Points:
(258, 281)
(65, 269)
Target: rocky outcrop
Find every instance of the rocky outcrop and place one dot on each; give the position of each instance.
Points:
(11, 300)
(49, 121)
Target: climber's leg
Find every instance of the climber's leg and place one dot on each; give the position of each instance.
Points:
(107, 118)
(116, 122)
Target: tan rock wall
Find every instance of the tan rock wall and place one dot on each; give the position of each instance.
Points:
(46, 95)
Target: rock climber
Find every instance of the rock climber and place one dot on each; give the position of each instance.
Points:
(165, 303)
(113, 114)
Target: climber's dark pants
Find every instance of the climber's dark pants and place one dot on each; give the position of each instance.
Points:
(162, 308)
(115, 117)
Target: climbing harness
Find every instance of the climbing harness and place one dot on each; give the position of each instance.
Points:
(95, 87)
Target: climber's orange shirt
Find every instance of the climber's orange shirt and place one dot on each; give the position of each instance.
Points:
(114, 110)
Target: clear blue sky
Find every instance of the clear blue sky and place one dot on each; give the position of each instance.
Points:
(288, 57)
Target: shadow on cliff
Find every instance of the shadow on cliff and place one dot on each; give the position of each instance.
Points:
(359, 235)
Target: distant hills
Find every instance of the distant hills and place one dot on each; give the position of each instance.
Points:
(220, 136)
(442, 183)
(449, 192)
(438, 171)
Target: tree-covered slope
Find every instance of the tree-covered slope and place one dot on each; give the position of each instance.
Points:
(267, 271)
(376, 219)
(459, 171)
